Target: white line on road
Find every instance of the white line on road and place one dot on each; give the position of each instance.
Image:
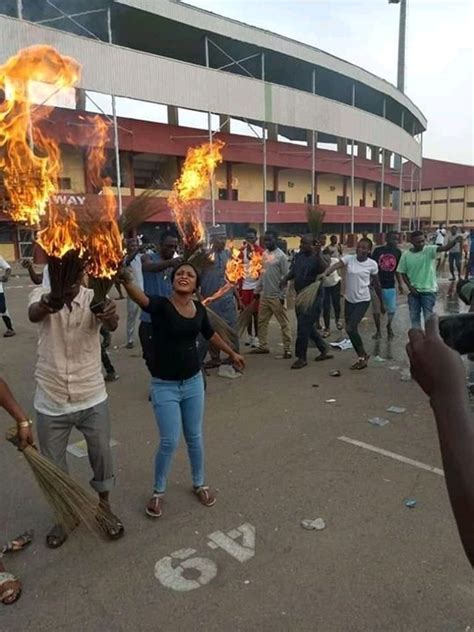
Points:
(393, 455)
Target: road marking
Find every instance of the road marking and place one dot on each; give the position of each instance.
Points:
(171, 569)
(393, 455)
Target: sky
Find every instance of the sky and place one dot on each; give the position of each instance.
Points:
(439, 56)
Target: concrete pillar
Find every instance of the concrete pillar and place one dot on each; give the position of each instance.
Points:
(388, 156)
(276, 181)
(344, 189)
(364, 192)
(129, 167)
(173, 118)
(362, 150)
(374, 156)
(228, 167)
(224, 123)
(342, 145)
(80, 99)
(272, 131)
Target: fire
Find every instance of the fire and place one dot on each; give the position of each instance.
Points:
(96, 150)
(198, 168)
(62, 232)
(255, 265)
(30, 161)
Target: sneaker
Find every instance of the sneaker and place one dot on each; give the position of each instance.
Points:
(287, 355)
(9, 333)
(260, 350)
(227, 370)
(255, 342)
(326, 333)
(129, 345)
(249, 342)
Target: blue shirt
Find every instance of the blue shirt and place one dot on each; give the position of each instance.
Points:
(156, 283)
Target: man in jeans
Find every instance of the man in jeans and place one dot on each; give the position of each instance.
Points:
(272, 296)
(307, 265)
(417, 267)
(455, 254)
(70, 390)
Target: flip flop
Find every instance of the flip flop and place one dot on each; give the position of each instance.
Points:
(9, 594)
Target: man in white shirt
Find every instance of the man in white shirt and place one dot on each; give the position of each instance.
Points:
(134, 262)
(5, 271)
(70, 390)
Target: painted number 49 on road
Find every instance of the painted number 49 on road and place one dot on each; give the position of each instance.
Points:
(183, 570)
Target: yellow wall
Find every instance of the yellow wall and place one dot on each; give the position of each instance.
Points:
(73, 168)
(7, 251)
(301, 181)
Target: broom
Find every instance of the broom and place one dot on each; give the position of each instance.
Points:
(70, 502)
(224, 330)
(138, 211)
(305, 299)
(63, 273)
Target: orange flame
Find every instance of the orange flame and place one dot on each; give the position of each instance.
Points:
(198, 168)
(255, 265)
(234, 269)
(30, 160)
(62, 232)
(96, 150)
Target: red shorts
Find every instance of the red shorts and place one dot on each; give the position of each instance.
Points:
(247, 296)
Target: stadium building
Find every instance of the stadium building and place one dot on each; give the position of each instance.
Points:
(300, 126)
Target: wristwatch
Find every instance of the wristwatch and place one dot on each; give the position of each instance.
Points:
(25, 424)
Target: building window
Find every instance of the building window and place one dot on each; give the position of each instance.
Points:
(342, 201)
(309, 198)
(361, 202)
(223, 194)
(454, 200)
(276, 196)
(425, 202)
(470, 205)
(64, 184)
(440, 201)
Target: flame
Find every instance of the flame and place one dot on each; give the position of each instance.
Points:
(62, 232)
(198, 168)
(104, 243)
(234, 269)
(96, 151)
(30, 161)
(255, 265)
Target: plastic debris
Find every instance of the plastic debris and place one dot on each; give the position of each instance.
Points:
(330, 401)
(410, 503)
(335, 373)
(343, 345)
(395, 367)
(315, 385)
(228, 371)
(311, 525)
(247, 582)
(405, 375)
(378, 358)
(396, 409)
(378, 421)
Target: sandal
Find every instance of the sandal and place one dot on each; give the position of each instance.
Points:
(339, 325)
(362, 363)
(10, 588)
(18, 544)
(56, 537)
(154, 506)
(205, 496)
(326, 333)
(110, 524)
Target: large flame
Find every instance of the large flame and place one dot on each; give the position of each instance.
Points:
(198, 168)
(30, 161)
(96, 151)
(61, 233)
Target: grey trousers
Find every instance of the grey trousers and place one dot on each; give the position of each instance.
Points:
(133, 312)
(94, 424)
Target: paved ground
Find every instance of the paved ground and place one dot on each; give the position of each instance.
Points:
(275, 453)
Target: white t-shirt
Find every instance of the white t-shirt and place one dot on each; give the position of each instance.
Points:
(334, 278)
(439, 236)
(4, 266)
(357, 278)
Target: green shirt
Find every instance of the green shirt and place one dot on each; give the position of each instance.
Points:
(420, 268)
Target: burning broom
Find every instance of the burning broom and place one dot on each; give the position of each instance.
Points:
(306, 298)
(70, 502)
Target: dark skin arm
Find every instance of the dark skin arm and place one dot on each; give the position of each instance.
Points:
(411, 289)
(13, 408)
(39, 310)
(440, 373)
(109, 317)
(36, 277)
(378, 291)
(450, 244)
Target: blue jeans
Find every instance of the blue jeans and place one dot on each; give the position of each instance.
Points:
(178, 404)
(420, 302)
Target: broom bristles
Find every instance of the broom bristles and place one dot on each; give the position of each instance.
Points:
(224, 330)
(70, 502)
(245, 318)
(305, 299)
(138, 211)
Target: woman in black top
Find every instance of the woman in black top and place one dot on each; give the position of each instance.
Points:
(177, 388)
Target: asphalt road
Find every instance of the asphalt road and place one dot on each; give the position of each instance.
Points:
(274, 451)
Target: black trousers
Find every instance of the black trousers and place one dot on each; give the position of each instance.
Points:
(354, 313)
(332, 295)
(306, 329)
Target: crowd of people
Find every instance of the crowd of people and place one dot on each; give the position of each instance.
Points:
(169, 297)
